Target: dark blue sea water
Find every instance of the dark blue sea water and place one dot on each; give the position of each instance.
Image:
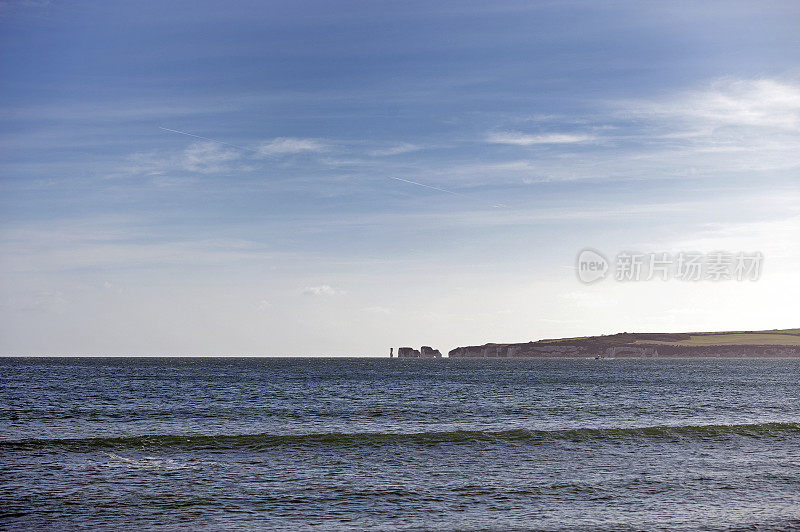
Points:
(354, 444)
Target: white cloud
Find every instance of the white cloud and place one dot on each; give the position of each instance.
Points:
(199, 157)
(761, 102)
(730, 124)
(322, 290)
(522, 139)
(290, 146)
(208, 158)
(398, 149)
(723, 128)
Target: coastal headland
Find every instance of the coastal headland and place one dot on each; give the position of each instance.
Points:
(730, 344)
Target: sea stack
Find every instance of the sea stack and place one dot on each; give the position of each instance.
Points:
(429, 352)
(424, 352)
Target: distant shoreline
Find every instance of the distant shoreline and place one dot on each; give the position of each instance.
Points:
(777, 343)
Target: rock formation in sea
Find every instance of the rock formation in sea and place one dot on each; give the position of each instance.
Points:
(407, 352)
(429, 352)
(424, 352)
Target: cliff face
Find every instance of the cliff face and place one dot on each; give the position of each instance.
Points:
(518, 350)
(580, 349)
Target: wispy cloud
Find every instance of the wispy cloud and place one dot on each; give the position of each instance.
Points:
(323, 290)
(730, 125)
(766, 103)
(397, 149)
(523, 139)
(290, 146)
(208, 158)
(720, 128)
(272, 148)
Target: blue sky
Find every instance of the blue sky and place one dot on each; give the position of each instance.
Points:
(554, 126)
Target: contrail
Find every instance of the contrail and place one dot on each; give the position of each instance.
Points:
(428, 186)
(206, 138)
(495, 205)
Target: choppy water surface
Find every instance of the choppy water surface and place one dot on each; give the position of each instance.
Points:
(400, 444)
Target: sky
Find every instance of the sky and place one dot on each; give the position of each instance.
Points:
(311, 178)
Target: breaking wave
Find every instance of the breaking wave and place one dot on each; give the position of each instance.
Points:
(266, 441)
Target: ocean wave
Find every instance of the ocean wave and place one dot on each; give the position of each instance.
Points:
(265, 441)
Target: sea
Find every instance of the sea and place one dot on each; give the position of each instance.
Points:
(399, 444)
